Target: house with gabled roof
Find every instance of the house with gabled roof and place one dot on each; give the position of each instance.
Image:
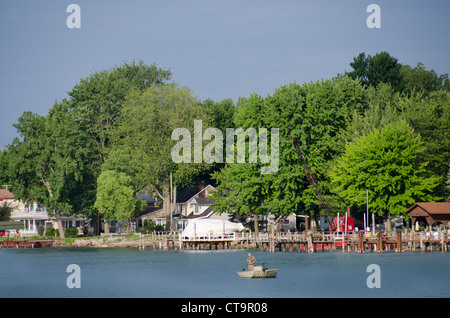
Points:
(32, 215)
(429, 213)
(193, 202)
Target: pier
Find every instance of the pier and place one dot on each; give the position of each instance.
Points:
(310, 242)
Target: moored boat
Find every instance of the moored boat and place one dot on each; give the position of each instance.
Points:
(258, 272)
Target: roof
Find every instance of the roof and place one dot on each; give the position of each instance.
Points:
(10, 225)
(6, 194)
(192, 191)
(432, 207)
(149, 210)
(205, 214)
(204, 201)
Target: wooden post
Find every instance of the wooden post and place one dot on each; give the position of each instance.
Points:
(422, 246)
(360, 242)
(399, 242)
(310, 242)
(379, 243)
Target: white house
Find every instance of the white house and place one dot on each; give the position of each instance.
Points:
(32, 215)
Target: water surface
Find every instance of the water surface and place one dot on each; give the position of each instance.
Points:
(122, 272)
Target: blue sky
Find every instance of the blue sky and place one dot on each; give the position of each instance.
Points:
(219, 49)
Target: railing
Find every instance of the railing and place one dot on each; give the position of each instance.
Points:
(210, 237)
(28, 233)
(345, 237)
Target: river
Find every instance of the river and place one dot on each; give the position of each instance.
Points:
(127, 272)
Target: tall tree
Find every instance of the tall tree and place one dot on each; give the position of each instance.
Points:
(149, 118)
(97, 109)
(47, 163)
(386, 162)
(313, 114)
(59, 156)
(116, 198)
(380, 68)
(419, 79)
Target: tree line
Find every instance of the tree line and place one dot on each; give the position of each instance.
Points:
(383, 127)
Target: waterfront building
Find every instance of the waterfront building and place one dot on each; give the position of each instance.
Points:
(430, 213)
(32, 215)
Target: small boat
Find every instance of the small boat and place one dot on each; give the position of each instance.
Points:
(258, 272)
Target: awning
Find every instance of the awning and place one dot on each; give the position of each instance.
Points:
(8, 225)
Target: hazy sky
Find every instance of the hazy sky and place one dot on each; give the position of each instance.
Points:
(219, 49)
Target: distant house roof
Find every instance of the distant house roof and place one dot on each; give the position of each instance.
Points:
(204, 201)
(149, 210)
(431, 212)
(6, 194)
(192, 191)
(205, 214)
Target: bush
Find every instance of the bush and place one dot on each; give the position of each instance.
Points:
(71, 232)
(52, 232)
(40, 229)
(149, 227)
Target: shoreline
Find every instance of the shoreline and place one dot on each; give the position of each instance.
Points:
(308, 242)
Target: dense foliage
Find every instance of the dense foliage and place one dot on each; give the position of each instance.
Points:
(382, 127)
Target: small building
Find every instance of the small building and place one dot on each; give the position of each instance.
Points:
(32, 215)
(193, 202)
(429, 213)
(7, 198)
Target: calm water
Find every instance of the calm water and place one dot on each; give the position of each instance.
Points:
(210, 274)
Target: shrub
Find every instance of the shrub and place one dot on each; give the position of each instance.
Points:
(149, 227)
(52, 232)
(40, 229)
(71, 232)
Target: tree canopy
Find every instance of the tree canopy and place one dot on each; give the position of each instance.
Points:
(384, 127)
(386, 162)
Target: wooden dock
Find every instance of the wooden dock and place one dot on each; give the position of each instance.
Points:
(305, 242)
(25, 243)
(309, 242)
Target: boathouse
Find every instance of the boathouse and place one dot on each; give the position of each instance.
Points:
(429, 213)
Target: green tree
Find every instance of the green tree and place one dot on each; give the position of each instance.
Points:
(386, 162)
(241, 191)
(98, 100)
(116, 198)
(314, 114)
(97, 110)
(383, 108)
(419, 79)
(5, 211)
(58, 158)
(149, 118)
(47, 163)
(430, 117)
(380, 68)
